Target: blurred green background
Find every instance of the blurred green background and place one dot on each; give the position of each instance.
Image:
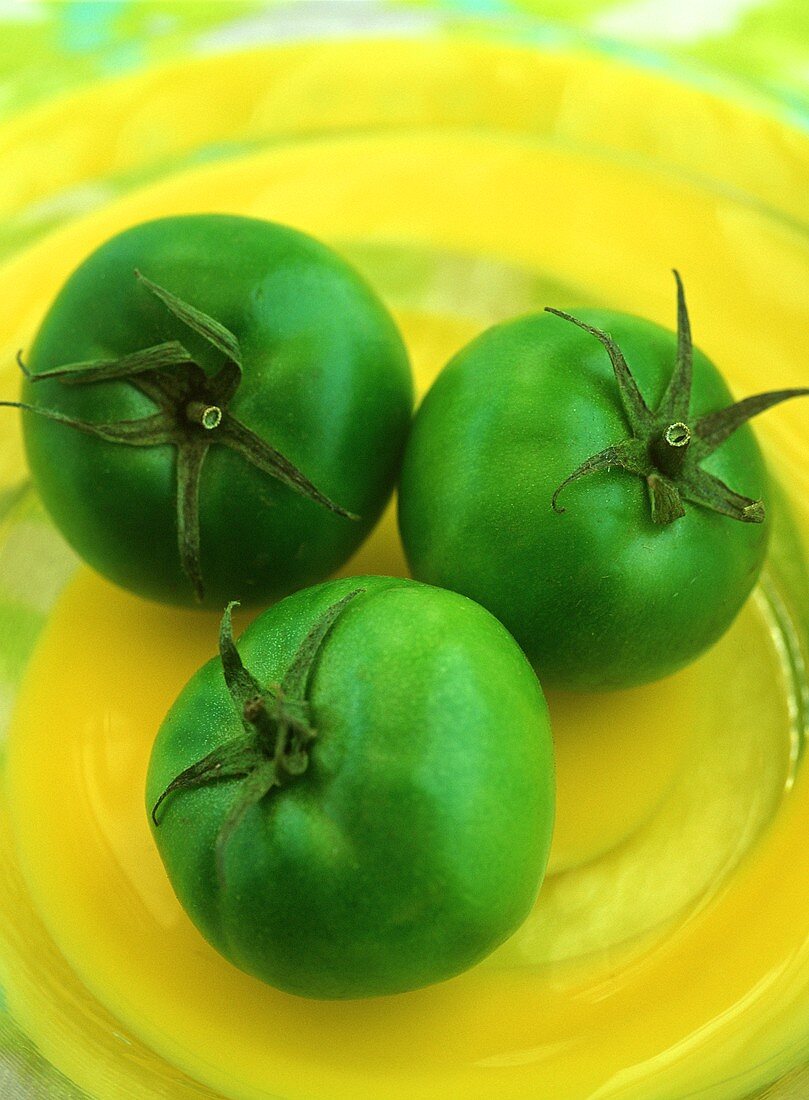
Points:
(47, 46)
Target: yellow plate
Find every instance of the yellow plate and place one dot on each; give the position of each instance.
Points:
(470, 181)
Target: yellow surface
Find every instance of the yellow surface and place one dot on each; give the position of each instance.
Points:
(668, 952)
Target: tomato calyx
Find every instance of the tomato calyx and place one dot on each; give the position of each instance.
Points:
(277, 724)
(666, 448)
(192, 415)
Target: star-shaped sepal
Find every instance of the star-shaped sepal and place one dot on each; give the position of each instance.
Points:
(192, 415)
(666, 447)
(277, 723)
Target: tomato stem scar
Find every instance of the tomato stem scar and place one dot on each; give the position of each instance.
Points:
(207, 416)
(670, 448)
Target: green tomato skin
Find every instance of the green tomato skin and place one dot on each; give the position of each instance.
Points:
(599, 597)
(415, 842)
(326, 381)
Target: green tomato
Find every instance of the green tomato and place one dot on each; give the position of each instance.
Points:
(222, 405)
(360, 800)
(606, 580)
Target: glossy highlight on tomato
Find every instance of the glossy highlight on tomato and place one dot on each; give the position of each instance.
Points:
(358, 800)
(220, 405)
(587, 479)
